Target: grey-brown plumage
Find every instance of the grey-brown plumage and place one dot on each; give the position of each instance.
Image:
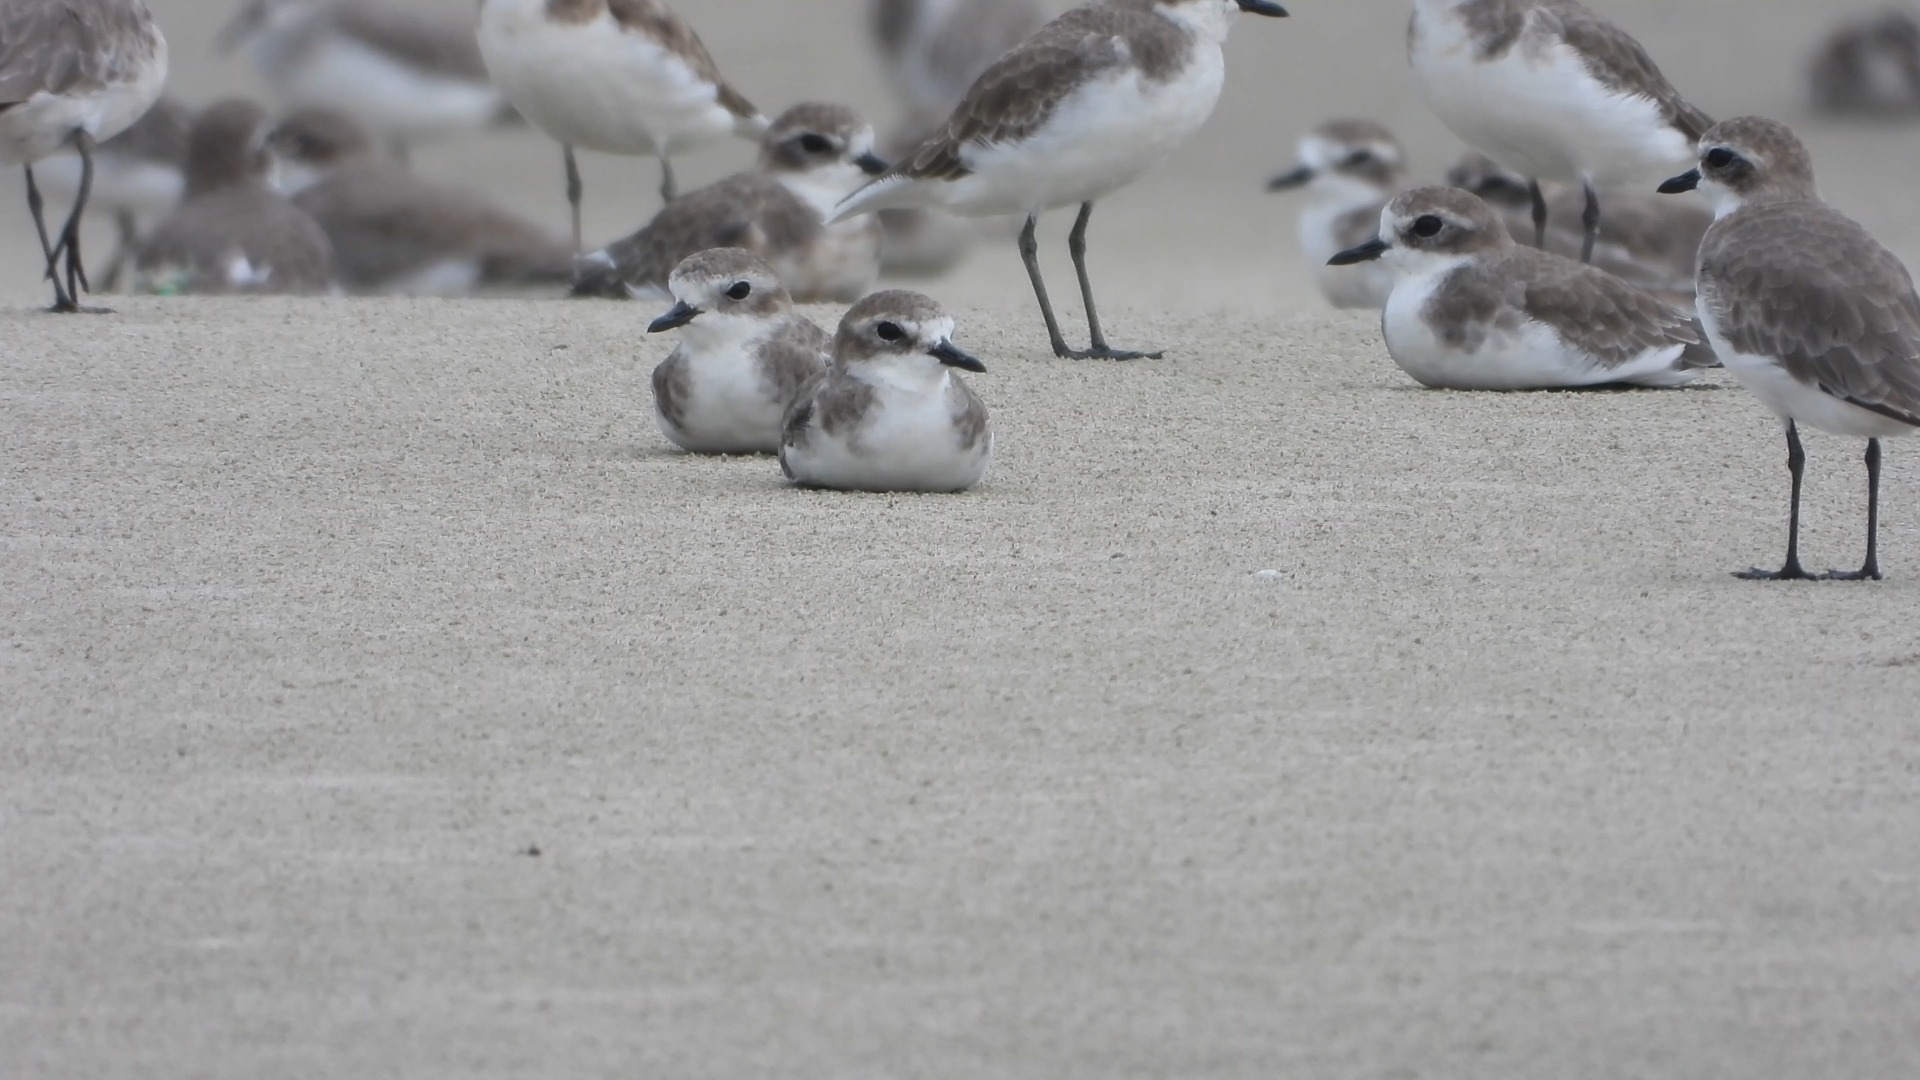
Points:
(1870, 66)
(933, 53)
(233, 232)
(812, 157)
(393, 231)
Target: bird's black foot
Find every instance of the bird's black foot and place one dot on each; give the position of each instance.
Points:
(64, 306)
(1865, 573)
(1789, 572)
(1103, 352)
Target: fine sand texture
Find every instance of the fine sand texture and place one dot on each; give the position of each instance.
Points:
(380, 695)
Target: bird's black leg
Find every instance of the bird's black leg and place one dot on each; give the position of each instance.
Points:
(1589, 223)
(574, 190)
(1796, 463)
(1870, 571)
(1539, 214)
(129, 229)
(1077, 247)
(70, 234)
(1030, 255)
(38, 207)
(668, 189)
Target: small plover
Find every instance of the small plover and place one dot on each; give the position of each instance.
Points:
(890, 414)
(395, 232)
(233, 232)
(1805, 307)
(617, 76)
(73, 74)
(810, 159)
(1551, 89)
(1870, 66)
(743, 356)
(139, 174)
(1351, 170)
(407, 75)
(1077, 111)
(1473, 310)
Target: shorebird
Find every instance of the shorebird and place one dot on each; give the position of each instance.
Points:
(139, 174)
(395, 232)
(1805, 307)
(73, 74)
(1551, 89)
(1351, 169)
(617, 76)
(1473, 310)
(890, 414)
(1870, 65)
(407, 75)
(810, 159)
(1077, 111)
(234, 232)
(743, 356)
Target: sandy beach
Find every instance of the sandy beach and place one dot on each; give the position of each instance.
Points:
(381, 695)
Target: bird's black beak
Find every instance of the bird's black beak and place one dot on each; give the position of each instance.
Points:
(1293, 179)
(947, 353)
(870, 164)
(681, 314)
(1686, 181)
(1366, 252)
(1263, 7)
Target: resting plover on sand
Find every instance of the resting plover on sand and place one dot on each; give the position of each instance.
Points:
(234, 232)
(1647, 238)
(395, 232)
(139, 174)
(73, 74)
(1077, 111)
(1473, 310)
(1551, 89)
(617, 76)
(743, 356)
(1805, 307)
(1870, 65)
(890, 414)
(1351, 170)
(811, 158)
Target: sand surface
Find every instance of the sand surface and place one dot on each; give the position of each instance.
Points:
(1262, 715)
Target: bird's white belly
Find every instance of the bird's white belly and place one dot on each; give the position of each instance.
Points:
(1791, 399)
(1100, 139)
(596, 87)
(727, 410)
(389, 97)
(910, 445)
(42, 125)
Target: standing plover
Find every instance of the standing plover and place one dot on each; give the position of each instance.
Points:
(139, 174)
(890, 414)
(1351, 169)
(1551, 89)
(395, 232)
(1870, 65)
(1077, 111)
(1473, 310)
(408, 75)
(1805, 307)
(809, 160)
(234, 232)
(617, 76)
(743, 356)
(73, 73)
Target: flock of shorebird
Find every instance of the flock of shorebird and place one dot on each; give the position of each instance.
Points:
(1484, 283)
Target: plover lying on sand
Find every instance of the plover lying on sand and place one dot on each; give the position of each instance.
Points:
(617, 76)
(407, 75)
(743, 356)
(890, 414)
(1551, 89)
(73, 74)
(810, 159)
(1805, 307)
(139, 174)
(395, 232)
(234, 232)
(1473, 310)
(1077, 111)
(1351, 170)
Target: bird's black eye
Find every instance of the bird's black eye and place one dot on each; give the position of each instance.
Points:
(815, 144)
(740, 291)
(1719, 157)
(889, 331)
(1357, 159)
(1427, 225)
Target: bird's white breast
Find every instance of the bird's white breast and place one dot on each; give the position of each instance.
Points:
(389, 96)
